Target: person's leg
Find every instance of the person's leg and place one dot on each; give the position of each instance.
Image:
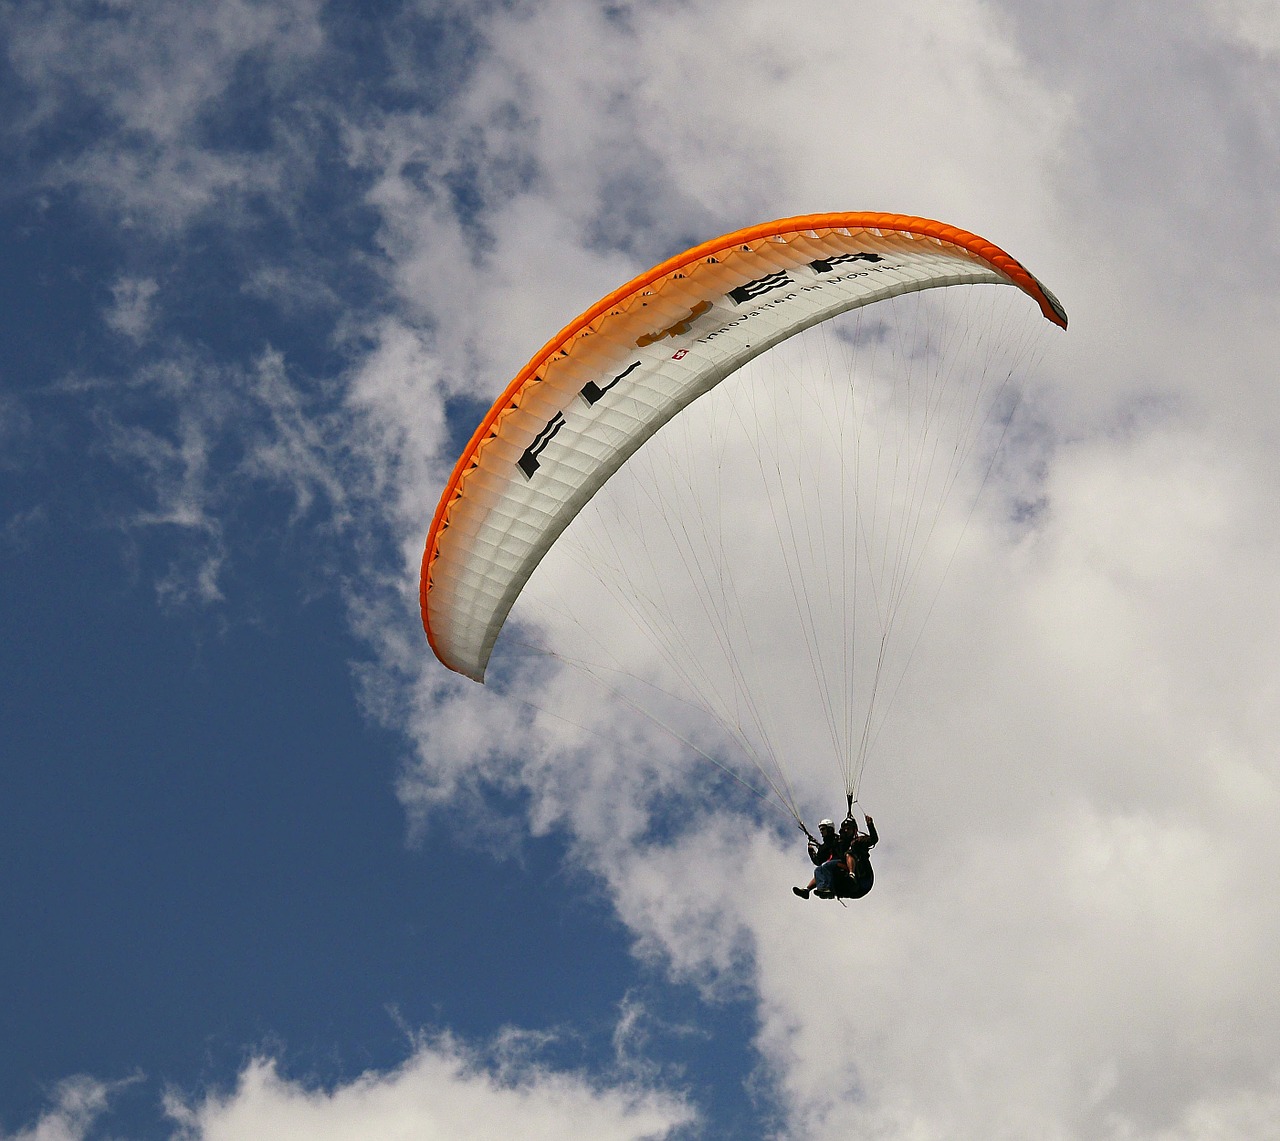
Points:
(822, 878)
(803, 892)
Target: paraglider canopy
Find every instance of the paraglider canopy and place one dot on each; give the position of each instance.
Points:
(610, 379)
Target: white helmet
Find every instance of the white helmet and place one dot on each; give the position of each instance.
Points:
(825, 824)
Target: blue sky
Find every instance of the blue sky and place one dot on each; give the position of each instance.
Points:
(204, 854)
(268, 870)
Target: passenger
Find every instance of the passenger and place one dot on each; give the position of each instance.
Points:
(828, 855)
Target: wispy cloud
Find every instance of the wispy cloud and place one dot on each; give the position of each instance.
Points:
(77, 1104)
(131, 310)
(196, 436)
(152, 79)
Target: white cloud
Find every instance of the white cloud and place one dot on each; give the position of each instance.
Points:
(1073, 931)
(1252, 23)
(77, 1103)
(442, 1092)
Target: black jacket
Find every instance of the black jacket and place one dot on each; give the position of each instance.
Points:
(833, 849)
(861, 847)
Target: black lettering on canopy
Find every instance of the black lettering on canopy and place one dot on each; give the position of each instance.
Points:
(528, 460)
(592, 392)
(760, 286)
(826, 265)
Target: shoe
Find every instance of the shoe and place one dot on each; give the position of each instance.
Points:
(802, 892)
(823, 894)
